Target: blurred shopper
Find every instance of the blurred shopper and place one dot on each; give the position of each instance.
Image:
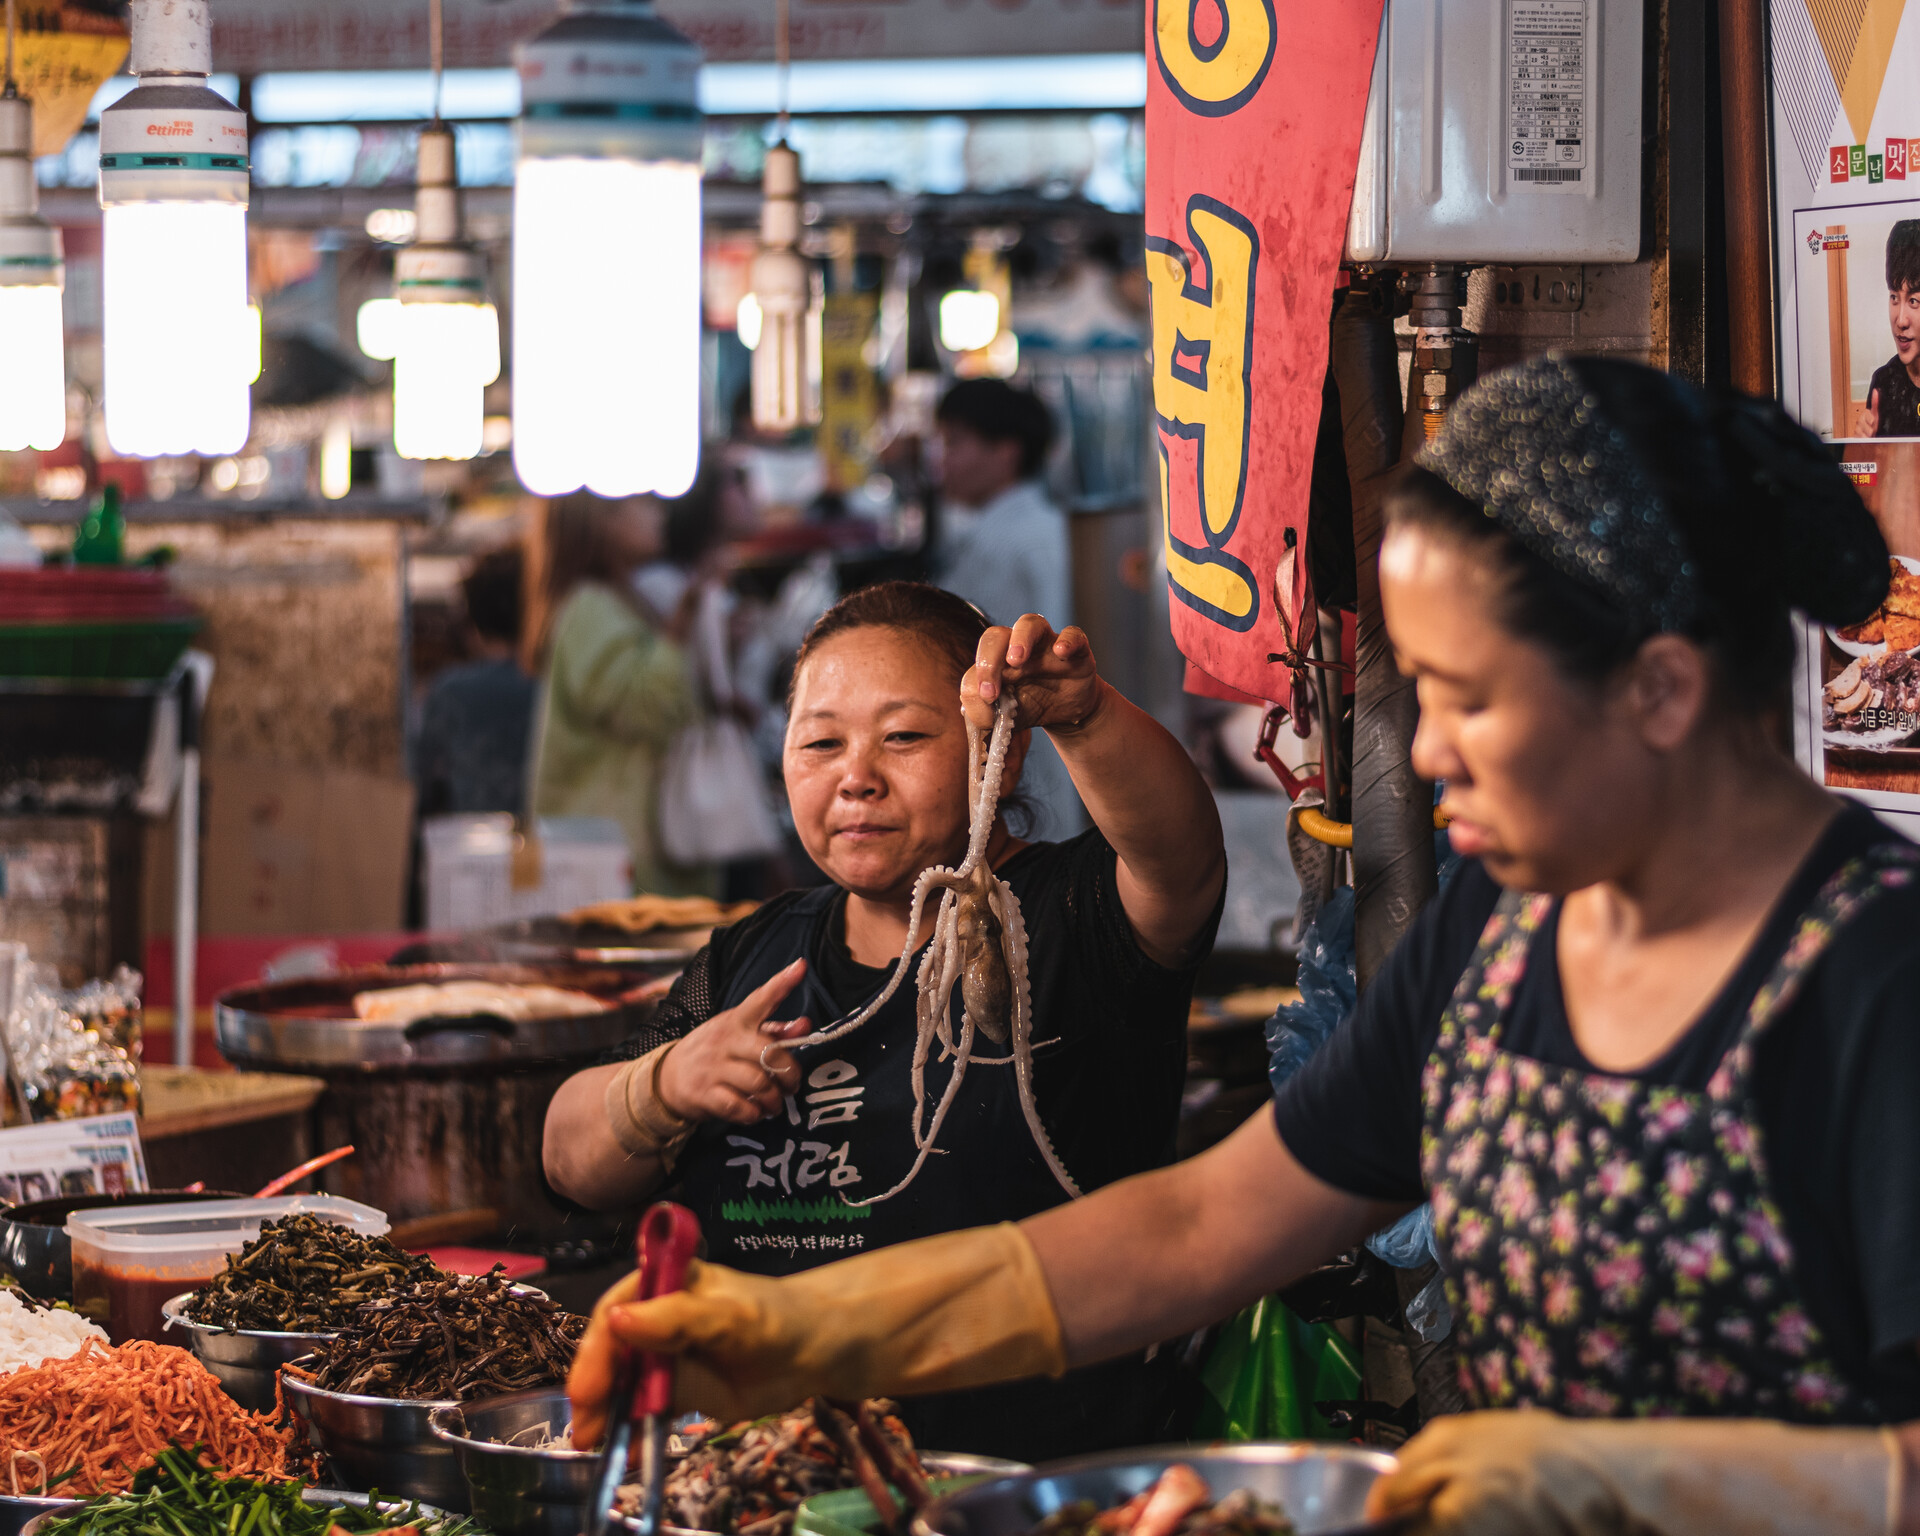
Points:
(472, 752)
(1003, 545)
(616, 684)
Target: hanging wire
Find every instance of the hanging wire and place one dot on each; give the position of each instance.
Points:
(782, 61)
(435, 50)
(10, 88)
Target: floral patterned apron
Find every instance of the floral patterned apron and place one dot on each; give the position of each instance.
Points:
(1612, 1247)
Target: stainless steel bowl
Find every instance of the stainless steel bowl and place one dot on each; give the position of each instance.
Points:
(381, 1443)
(331, 1496)
(1322, 1488)
(245, 1361)
(520, 1490)
(17, 1512)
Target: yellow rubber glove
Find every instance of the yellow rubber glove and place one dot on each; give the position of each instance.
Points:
(1536, 1474)
(958, 1310)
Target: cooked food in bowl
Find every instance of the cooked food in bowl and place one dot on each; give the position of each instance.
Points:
(305, 1275)
(747, 1479)
(1179, 1504)
(448, 1339)
(92, 1422)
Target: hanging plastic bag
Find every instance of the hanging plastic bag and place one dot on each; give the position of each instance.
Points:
(1266, 1372)
(714, 805)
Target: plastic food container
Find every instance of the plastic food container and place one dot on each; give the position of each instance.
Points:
(128, 1262)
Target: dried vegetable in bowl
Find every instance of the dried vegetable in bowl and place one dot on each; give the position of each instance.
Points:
(452, 1338)
(748, 1479)
(90, 1423)
(1179, 1504)
(305, 1275)
(176, 1496)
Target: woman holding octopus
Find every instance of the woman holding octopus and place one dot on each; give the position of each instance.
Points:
(1652, 1055)
(904, 1117)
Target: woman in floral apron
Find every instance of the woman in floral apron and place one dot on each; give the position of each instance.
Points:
(1653, 1054)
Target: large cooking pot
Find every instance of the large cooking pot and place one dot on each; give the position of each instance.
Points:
(445, 1114)
(34, 1247)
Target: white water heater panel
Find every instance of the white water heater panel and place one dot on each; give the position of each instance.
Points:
(1502, 131)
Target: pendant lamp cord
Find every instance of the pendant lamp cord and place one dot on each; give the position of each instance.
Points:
(435, 50)
(782, 60)
(9, 87)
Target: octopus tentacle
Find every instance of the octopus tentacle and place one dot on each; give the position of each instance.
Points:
(1015, 931)
(929, 878)
(939, 1116)
(940, 968)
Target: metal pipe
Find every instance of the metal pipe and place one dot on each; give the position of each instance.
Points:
(1392, 807)
(186, 897)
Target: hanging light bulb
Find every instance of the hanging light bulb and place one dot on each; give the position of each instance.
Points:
(439, 331)
(606, 255)
(181, 344)
(786, 392)
(33, 380)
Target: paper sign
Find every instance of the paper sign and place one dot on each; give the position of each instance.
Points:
(1254, 110)
(97, 1156)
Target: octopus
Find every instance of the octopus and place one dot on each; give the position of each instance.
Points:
(980, 946)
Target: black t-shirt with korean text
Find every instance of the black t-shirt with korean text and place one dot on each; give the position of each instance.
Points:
(1109, 1063)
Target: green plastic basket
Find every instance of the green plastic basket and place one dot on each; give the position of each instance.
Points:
(136, 652)
(849, 1512)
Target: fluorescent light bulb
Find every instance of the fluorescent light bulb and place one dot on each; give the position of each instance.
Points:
(181, 345)
(33, 382)
(606, 254)
(33, 371)
(606, 326)
(181, 342)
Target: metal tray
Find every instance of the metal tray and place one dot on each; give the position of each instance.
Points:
(310, 1023)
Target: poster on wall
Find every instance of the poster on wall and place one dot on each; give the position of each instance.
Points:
(1846, 105)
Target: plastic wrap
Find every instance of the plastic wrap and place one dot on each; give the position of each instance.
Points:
(75, 1054)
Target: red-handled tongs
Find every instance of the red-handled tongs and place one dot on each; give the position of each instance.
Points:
(643, 1390)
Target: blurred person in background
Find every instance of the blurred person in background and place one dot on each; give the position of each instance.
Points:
(616, 683)
(472, 752)
(1003, 545)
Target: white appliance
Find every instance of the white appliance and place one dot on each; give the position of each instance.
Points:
(1502, 131)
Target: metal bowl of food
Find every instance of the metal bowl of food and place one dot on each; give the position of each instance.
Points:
(245, 1361)
(525, 1479)
(18, 1512)
(333, 1497)
(380, 1442)
(1321, 1490)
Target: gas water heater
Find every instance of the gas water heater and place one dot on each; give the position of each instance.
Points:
(1502, 131)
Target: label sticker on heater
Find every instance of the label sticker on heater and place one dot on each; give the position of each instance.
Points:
(1547, 95)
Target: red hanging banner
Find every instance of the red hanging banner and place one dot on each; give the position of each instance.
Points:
(1254, 110)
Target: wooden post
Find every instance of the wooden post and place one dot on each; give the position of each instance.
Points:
(1747, 169)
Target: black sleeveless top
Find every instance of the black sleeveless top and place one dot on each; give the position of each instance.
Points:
(1109, 1066)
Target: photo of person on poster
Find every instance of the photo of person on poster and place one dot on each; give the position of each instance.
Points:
(1893, 397)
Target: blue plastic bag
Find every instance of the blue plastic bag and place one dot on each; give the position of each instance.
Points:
(1327, 995)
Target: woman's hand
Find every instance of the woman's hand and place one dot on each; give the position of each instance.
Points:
(1052, 678)
(1529, 1472)
(715, 1073)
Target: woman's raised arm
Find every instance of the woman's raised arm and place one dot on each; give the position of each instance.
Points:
(1136, 780)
